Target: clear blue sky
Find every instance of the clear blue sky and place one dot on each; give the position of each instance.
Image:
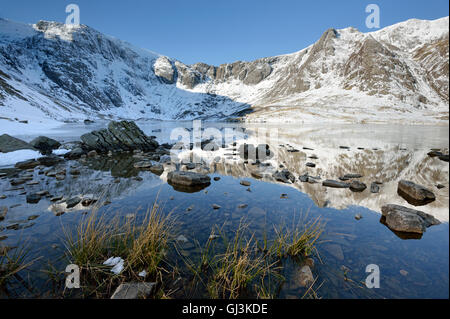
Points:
(221, 31)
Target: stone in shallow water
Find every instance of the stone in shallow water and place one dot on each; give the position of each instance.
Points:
(415, 194)
(72, 202)
(403, 219)
(18, 181)
(50, 160)
(306, 278)
(143, 165)
(32, 163)
(157, 169)
(75, 153)
(357, 186)
(134, 290)
(374, 188)
(188, 181)
(245, 183)
(335, 184)
(33, 198)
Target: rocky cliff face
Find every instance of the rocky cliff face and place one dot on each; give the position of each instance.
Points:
(64, 72)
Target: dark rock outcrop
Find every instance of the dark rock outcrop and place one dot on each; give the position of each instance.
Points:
(120, 136)
(44, 144)
(11, 144)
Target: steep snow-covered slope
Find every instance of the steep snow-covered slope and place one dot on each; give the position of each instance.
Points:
(68, 72)
(54, 71)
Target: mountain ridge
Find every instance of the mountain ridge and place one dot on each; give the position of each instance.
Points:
(396, 74)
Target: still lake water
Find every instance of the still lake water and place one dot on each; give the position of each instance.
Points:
(409, 268)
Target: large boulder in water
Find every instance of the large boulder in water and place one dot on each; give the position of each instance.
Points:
(188, 181)
(11, 144)
(45, 144)
(403, 219)
(415, 194)
(120, 136)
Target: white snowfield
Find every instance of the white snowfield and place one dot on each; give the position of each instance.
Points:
(51, 72)
(9, 159)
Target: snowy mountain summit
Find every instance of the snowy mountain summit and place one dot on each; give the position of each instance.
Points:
(397, 74)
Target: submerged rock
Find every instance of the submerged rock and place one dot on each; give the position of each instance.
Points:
(306, 278)
(403, 219)
(49, 160)
(75, 153)
(33, 198)
(134, 290)
(143, 165)
(415, 194)
(352, 176)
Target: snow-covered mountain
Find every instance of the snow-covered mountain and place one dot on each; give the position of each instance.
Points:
(399, 73)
